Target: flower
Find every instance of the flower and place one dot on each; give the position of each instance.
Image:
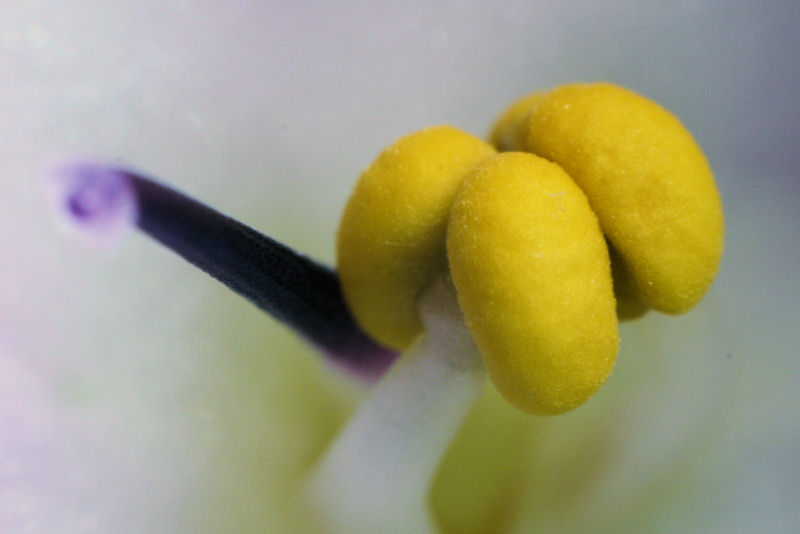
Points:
(175, 391)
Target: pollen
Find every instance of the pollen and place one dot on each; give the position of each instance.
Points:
(391, 241)
(531, 270)
(601, 207)
(646, 179)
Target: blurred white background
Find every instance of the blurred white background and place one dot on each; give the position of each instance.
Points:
(138, 395)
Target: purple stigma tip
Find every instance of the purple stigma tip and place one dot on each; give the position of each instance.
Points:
(94, 201)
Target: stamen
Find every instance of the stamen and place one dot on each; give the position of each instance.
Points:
(292, 288)
(376, 476)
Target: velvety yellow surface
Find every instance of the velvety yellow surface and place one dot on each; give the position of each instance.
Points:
(531, 269)
(391, 238)
(646, 179)
(629, 304)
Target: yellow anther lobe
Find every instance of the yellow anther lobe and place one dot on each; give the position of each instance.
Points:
(391, 241)
(531, 269)
(646, 179)
(509, 131)
(629, 304)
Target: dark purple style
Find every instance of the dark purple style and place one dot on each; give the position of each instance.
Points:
(289, 286)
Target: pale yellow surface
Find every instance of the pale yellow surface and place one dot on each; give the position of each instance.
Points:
(646, 179)
(391, 238)
(531, 269)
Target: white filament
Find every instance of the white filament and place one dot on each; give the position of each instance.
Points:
(376, 476)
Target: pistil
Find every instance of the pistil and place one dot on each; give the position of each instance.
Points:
(100, 201)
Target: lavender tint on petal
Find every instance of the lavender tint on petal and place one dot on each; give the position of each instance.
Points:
(289, 286)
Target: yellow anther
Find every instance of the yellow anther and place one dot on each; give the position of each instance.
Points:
(391, 241)
(624, 203)
(531, 269)
(509, 132)
(646, 179)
